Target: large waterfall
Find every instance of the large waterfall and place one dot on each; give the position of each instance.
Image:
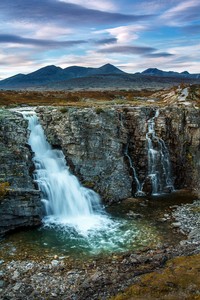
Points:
(65, 199)
(159, 169)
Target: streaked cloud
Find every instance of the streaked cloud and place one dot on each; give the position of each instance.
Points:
(14, 39)
(183, 12)
(54, 11)
(159, 54)
(138, 50)
(103, 5)
(106, 41)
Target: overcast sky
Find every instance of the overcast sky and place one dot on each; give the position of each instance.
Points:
(131, 34)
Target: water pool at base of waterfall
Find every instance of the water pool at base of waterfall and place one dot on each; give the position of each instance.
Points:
(132, 225)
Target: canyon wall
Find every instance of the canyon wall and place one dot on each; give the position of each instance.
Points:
(95, 142)
(20, 203)
(101, 146)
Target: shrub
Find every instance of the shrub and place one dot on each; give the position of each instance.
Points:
(98, 110)
(63, 110)
(4, 186)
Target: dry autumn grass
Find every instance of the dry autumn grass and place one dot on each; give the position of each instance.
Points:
(62, 98)
(178, 280)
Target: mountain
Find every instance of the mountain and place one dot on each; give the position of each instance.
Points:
(104, 77)
(53, 74)
(160, 73)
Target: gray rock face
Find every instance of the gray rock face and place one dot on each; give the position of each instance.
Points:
(20, 205)
(94, 142)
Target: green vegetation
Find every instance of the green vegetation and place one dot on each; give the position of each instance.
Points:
(4, 186)
(99, 110)
(178, 280)
(64, 110)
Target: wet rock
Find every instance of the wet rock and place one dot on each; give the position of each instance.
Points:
(20, 203)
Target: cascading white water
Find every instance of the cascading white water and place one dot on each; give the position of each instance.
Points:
(65, 199)
(76, 221)
(159, 169)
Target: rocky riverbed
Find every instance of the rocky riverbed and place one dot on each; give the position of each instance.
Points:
(56, 277)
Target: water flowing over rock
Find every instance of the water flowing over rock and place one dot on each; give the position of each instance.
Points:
(91, 141)
(159, 166)
(65, 199)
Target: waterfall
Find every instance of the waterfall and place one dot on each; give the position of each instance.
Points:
(159, 169)
(139, 187)
(66, 200)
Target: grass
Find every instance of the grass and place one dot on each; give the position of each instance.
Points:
(4, 186)
(65, 98)
(180, 279)
(92, 98)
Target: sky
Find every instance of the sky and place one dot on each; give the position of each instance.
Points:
(131, 34)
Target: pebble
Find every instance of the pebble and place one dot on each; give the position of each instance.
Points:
(15, 275)
(176, 224)
(17, 286)
(96, 279)
(54, 263)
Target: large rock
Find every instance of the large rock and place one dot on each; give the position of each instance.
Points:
(20, 203)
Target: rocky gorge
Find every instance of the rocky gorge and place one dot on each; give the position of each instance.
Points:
(95, 141)
(105, 147)
(109, 148)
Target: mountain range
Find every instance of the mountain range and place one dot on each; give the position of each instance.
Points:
(107, 76)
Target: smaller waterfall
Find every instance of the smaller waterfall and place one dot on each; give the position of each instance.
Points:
(159, 169)
(139, 187)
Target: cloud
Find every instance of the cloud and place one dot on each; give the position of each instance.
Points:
(15, 39)
(126, 33)
(106, 41)
(138, 50)
(54, 11)
(183, 12)
(103, 5)
(159, 54)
